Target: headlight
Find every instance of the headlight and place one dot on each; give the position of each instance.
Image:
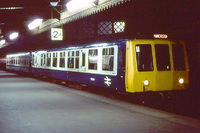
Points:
(181, 81)
(146, 83)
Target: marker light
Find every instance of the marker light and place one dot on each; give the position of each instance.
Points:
(35, 23)
(76, 4)
(146, 82)
(181, 81)
(14, 35)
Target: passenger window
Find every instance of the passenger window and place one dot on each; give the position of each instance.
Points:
(83, 59)
(70, 60)
(77, 59)
(178, 57)
(33, 60)
(55, 56)
(24, 60)
(108, 59)
(15, 60)
(122, 58)
(27, 60)
(144, 57)
(62, 59)
(42, 59)
(162, 57)
(11, 60)
(93, 59)
(45, 56)
(19, 60)
(48, 59)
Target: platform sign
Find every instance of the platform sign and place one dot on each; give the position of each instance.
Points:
(56, 34)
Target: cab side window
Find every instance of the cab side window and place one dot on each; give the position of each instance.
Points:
(144, 57)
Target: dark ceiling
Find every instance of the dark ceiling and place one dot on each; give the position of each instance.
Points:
(184, 12)
(18, 19)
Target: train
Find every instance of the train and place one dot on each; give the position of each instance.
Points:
(125, 65)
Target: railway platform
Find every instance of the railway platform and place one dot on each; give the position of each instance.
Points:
(29, 105)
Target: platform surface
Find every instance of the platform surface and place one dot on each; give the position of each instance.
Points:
(28, 105)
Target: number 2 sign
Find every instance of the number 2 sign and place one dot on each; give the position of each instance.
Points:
(56, 34)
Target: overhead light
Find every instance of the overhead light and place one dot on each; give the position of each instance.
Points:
(54, 2)
(2, 42)
(76, 4)
(35, 23)
(11, 8)
(14, 35)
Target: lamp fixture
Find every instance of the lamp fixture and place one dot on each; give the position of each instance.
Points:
(13, 35)
(35, 23)
(77, 4)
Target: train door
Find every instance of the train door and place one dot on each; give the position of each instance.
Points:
(83, 60)
(140, 63)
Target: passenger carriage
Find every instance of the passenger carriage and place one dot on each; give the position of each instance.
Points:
(138, 65)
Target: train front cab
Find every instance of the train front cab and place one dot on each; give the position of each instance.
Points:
(156, 65)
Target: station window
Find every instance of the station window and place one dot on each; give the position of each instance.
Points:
(93, 59)
(108, 59)
(178, 57)
(70, 60)
(119, 27)
(144, 57)
(48, 59)
(162, 57)
(62, 59)
(55, 56)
